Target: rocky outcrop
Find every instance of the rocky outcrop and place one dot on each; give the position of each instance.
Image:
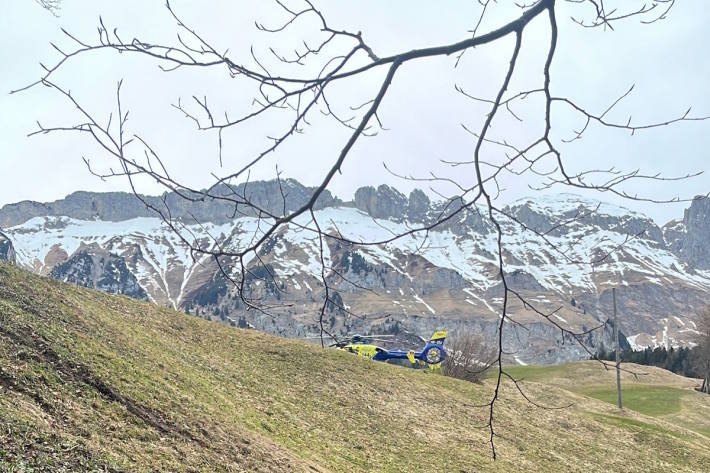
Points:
(7, 251)
(383, 202)
(355, 273)
(576, 213)
(461, 219)
(417, 205)
(674, 233)
(91, 266)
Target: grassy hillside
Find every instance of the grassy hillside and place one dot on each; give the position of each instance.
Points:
(648, 390)
(92, 382)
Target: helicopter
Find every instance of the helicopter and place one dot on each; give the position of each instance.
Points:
(432, 354)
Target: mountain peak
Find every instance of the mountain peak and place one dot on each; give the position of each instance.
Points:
(565, 203)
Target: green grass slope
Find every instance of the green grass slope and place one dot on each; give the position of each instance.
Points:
(648, 390)
(92, 382)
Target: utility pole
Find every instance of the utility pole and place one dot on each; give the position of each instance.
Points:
(618, 358)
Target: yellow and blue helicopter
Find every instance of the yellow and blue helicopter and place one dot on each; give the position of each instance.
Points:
(432, 354)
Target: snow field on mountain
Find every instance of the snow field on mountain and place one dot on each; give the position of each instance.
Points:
(556, 262)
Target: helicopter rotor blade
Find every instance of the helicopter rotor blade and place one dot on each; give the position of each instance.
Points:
(372, 337)
(318, 337)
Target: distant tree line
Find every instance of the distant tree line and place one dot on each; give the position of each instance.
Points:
(683, 361)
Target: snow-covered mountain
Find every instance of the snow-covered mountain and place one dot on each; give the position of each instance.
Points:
(567, 255)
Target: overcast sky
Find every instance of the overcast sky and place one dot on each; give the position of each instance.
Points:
(667, 61)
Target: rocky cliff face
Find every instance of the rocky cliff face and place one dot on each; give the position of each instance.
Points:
(688, 238)
(119, 206)
(92, 266)
(7, 251)
(450, 280)
(384, 202)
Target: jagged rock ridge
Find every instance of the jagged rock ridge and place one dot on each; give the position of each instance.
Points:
(120, 206)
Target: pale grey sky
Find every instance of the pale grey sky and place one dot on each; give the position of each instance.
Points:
(667, 61)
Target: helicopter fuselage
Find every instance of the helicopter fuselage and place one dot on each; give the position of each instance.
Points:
(432, 354)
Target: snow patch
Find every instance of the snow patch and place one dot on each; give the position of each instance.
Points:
(421, 301)
(560, 319)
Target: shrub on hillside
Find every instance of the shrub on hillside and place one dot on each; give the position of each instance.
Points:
(468, 356)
